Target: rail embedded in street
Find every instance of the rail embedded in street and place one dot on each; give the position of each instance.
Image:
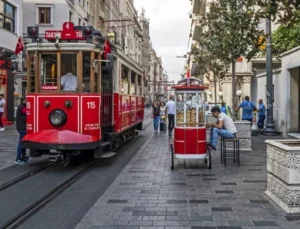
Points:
(27, 213)
(24, 176)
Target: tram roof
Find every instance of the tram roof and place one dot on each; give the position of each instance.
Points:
(190, 84)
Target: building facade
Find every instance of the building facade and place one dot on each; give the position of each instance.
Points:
(145, 24)
(51, 16)
(11, 14)
(286, 84)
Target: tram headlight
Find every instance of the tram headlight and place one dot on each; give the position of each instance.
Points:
(57, 118)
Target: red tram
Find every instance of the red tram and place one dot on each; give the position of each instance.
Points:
(105, 108)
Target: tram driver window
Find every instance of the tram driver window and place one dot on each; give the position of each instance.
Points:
(69, 79)
(48, 68)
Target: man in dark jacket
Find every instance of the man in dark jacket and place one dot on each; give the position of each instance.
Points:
(21, 128)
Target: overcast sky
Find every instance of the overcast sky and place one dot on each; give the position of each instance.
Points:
(169, 30)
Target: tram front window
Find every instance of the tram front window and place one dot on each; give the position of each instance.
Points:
(69, 79)
(48, 72)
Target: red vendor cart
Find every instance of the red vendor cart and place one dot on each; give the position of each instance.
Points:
(190, 122)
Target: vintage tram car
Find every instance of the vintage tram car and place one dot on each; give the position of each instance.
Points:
(105, 110)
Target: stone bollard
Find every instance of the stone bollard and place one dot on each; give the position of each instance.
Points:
(283, 165)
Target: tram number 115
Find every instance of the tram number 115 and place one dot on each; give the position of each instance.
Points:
(91, 105)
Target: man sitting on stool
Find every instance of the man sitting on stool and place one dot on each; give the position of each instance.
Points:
(225, 128)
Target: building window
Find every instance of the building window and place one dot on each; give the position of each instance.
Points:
(44, 15)
(79, 21)
(83, 3)
(7, 16)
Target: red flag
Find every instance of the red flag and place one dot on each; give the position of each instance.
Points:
(107, 49)
(188, 74)
(19, 46)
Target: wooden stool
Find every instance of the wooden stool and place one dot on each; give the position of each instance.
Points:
(235, 153)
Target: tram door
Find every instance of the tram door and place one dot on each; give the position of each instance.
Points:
(107, 97)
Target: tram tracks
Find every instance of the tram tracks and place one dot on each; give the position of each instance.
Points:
(24, 176)
(37, 205)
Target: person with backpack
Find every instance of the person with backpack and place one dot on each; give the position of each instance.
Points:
(248, 108)
(156, 115)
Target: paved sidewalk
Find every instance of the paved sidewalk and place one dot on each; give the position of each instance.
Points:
(148, 195)
(8, 146)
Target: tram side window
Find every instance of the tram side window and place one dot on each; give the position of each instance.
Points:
(69, 77)
(86, 71)
(179, 110)
(133, 83)
(124, 80)
(139, 88)
(48, 68)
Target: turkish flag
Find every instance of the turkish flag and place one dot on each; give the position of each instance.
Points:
(107, 49)
(188, 74)
(19, 46)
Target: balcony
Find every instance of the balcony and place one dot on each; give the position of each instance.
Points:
(197, 6)
(197, 29)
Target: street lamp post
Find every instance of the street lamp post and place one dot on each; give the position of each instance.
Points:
(270, 128)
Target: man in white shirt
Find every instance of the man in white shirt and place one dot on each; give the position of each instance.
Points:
(170, 110)
(2, 106)
(68, 82)
(225, 128)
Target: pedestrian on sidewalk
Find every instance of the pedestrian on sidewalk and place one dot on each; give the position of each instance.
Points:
(162, 117)
(224, 127)
(2, 107)
(155, 115)
(248, 108)
(21, 128)
(225, 109)
(261, 115)
(170, 110)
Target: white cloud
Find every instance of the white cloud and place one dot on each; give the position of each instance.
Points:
(169, 30)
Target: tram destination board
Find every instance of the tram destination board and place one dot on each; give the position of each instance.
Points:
(68, 33)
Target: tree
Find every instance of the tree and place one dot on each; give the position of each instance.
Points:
(233, 30)
(285, 38)
(208, 64)
(286, 12)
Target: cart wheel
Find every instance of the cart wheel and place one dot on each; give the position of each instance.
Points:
(172, 157)
(208, 158)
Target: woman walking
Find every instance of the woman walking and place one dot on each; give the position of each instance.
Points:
(155, 115)
(162, 117)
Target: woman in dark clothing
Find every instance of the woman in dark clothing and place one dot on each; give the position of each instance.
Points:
(155, 115)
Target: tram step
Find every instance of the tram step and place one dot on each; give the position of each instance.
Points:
(105, 144)
(138, 131)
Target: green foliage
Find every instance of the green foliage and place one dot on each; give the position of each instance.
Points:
(286, 38)
(286, 12)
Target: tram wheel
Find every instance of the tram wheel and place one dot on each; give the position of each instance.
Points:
(69, 160)
(172, 156)
(208, 158)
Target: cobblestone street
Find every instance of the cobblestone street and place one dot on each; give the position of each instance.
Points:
(148, 195)
(8, 146)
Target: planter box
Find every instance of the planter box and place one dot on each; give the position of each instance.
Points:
(283, 165)
(243, 133)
